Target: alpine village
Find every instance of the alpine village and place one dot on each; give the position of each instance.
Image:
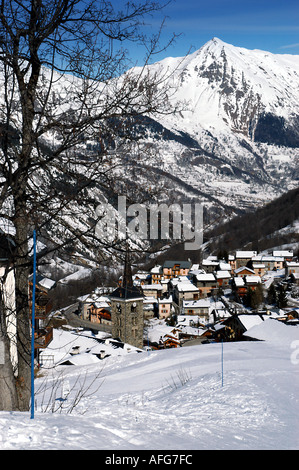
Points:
(172, 305)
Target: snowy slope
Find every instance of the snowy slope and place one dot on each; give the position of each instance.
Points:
(173, 399)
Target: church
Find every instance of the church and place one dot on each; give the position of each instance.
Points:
(127, 310)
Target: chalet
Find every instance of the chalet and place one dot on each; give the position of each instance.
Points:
(141, 278)
(243, 257)
(291, 267)
(173, 269)
(259, 269)
(234, 327)
(156, 274)
(210, 265)
(152, 290)
(43, 306)
(239, 287)
(184, 290)
(162, 338)
(205, 283)
(252, 281)
(150, 307)
(287, 255)
(223, 278)
(191, 332)
(172, 339)
(295, 278)
(199, 307)
(165, 307)
(91, 303)
(244, 271)
(99, 312)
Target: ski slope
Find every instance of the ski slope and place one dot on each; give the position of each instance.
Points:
(172, 399)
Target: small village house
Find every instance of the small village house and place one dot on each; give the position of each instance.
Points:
(287, 255)
(165, 307)
(223, 279)
(252, 281)
(291, 267)
(99, 312)
(184, 291)
(156, 274)
(150, 307)
(205, 283)
(173, 269)
(152, 290)
(272, 263)
(243, 257)
(239, 287)
(141, 278)
(210, 265)
(200, 308)
(243, 271)
(259, 269)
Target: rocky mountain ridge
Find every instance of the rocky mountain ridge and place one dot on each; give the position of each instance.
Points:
(237, 141)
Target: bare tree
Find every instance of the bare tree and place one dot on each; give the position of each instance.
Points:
(67, 96)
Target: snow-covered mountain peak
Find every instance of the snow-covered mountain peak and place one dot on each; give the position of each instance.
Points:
(232, 86)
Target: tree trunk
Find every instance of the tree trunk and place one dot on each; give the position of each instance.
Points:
(22, 271)
(8, 395)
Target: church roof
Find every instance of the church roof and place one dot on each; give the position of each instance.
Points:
(127, 293)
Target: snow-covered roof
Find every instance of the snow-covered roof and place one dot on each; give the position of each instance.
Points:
(209, 262)
(47, 283)
(223, 275)
(201, 303)
(224, 266)
(205, 277)
(245, 254)
(250, 320)
(239, 282)
(152, 287)
(168, 300)
(156, 270)
(243, 268)
(186, 287)
(253, 280)
(88, 346)
(283, 253)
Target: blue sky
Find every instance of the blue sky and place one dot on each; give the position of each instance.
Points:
(271, 25)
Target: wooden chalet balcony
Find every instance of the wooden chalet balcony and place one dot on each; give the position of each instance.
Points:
(41, 311)
(42, 338)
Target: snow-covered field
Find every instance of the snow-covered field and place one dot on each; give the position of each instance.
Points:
(174, 399)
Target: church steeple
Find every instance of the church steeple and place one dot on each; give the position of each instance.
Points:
(127, 280)
(127, 309)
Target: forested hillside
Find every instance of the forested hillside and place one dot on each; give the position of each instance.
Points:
(271, 225)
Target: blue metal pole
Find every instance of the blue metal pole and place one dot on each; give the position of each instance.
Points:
(222, 362)
(32, 325)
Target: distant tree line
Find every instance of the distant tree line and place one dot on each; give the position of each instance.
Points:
(258, 230)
